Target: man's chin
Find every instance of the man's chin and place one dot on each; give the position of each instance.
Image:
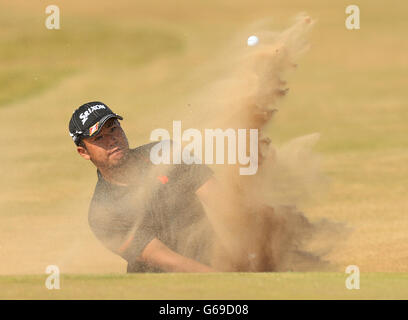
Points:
(118, 159)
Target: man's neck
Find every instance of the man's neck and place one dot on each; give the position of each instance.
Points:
(117, 175)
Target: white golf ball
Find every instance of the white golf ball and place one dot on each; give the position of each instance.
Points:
(253, 41)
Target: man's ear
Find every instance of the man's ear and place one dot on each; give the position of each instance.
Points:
(83, 153)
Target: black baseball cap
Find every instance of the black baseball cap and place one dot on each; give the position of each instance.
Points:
(89, 119)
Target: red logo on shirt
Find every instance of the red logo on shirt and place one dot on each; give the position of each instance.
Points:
(163, 179)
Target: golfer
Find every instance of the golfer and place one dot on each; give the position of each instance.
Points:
(150, 215)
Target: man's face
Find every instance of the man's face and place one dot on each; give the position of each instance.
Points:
(108, 148)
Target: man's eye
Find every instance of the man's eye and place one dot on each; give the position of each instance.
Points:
(98, 138)
(113, 129)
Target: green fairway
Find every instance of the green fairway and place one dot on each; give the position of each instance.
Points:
(146, 59)
(215, 286)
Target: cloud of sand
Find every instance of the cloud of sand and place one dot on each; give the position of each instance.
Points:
(266, 231)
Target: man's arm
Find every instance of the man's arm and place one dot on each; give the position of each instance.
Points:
(156, 253)
(159, 255)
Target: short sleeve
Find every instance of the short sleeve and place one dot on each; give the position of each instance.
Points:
(120, 234)
(138, 238)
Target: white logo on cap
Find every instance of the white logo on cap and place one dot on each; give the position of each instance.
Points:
(84, 115)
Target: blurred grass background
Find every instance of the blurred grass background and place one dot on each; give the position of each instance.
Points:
(233, 286)
(143, 59)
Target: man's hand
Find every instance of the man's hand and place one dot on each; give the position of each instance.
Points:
(159, 255)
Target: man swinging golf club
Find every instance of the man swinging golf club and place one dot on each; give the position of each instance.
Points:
(148, 214)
